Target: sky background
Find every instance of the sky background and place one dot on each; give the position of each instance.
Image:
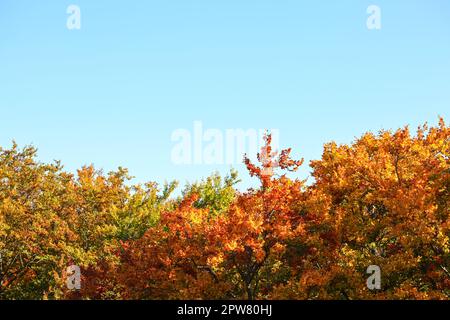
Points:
(113, 92)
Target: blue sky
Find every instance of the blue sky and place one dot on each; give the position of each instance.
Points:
(112, 92)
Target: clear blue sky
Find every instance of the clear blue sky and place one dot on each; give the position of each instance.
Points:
(112, 92)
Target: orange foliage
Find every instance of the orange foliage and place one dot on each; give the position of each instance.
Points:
(383, 200)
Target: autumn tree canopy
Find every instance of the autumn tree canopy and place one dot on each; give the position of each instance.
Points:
(382, 200)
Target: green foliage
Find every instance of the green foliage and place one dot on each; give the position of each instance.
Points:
(214, 193)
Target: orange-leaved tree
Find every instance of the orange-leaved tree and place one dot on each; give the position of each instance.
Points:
(388, 195)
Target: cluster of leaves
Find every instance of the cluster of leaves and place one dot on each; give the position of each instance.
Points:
(383, 200)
